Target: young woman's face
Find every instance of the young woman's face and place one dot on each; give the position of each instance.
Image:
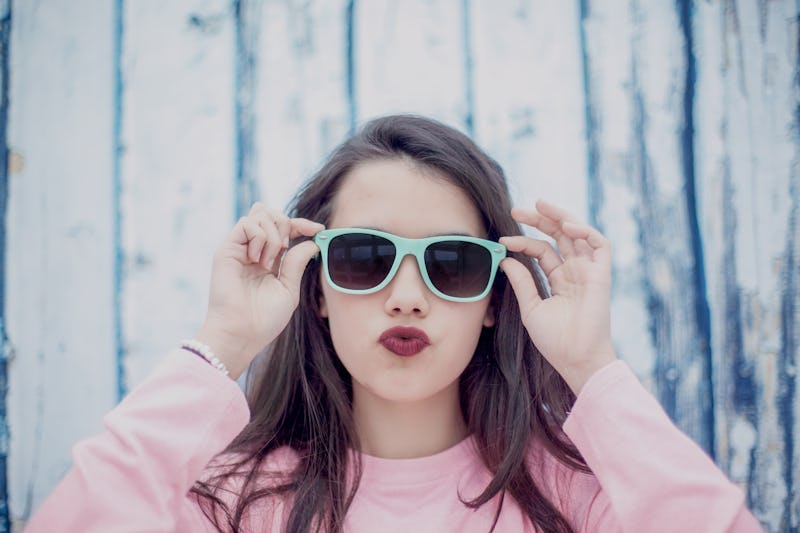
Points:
(398, 197)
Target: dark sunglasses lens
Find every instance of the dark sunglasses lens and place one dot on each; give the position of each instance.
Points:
(359, 261)
(460, 269)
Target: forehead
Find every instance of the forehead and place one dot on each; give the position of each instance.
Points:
(404, 198)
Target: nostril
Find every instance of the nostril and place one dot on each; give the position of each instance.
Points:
(414, 310)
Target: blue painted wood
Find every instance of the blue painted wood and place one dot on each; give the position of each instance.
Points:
(59, 245)
(720, 350)
(5, 346)
(350, 61)
(656, 178)
(594, 192)
(788, 400)
(746, 160)
(697, 287)
(295, 97)
(177, 170)
(526, 107)
(247, 20)
(469, 68)
(410, 59)
(116, 192)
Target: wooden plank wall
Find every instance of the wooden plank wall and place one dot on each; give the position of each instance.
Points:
(136, 132)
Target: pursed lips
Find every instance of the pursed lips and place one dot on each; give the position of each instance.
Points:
(404, 341)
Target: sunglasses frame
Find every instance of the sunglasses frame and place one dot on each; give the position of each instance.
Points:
(415, 247)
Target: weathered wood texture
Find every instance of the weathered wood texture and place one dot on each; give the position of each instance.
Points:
(748, 198)
(60, 250)
(139, 131)
(176, 195)
(5, 31)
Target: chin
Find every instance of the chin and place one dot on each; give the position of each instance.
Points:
(406, 392)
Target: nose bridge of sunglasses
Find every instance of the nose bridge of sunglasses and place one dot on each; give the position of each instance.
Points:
(410, 256)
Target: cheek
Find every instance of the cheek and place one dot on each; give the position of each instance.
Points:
(343, 312)
(349, 336)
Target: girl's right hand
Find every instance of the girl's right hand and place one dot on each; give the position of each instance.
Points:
(255, 284)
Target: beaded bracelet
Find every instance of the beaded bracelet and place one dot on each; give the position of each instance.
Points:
(198, 348)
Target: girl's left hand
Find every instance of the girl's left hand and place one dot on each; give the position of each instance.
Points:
(572, 328)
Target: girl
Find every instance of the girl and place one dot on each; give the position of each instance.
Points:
(418, 375)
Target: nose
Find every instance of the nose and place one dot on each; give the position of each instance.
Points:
(407, 292)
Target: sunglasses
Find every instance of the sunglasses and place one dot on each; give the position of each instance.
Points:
(454, 267)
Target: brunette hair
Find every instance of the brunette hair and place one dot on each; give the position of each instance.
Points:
(300, 394)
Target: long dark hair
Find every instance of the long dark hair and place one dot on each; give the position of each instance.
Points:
(300, 394)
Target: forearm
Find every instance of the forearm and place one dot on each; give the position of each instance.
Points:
(156, 444)
(652, 475)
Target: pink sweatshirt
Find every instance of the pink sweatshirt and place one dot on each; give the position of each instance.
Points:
(136, 475)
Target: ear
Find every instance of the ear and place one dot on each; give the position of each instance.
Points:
(323, 305)
(488, 318)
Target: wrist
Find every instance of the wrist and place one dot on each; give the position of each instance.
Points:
(578, 374)
(232, 350)
(204, 352)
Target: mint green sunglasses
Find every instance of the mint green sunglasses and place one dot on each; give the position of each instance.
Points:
(454, 267)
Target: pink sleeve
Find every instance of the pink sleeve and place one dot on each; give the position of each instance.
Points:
(648, 475)
(157, 441)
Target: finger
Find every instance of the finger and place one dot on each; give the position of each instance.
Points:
(543, 251)
(582, 248)
(554, 212)
(586, 232)
(304, 227)
(275, 266)
(295, 261)
(600, 246)
(268, 220)
(256, 208)
(250, 235)
(274, 243)
(546, 225)
(561, 217)
(284, 226)
(535, 219)
(268, 216)
(299, 227)
(521, 281)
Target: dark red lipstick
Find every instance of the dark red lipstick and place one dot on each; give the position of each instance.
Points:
(404, 341)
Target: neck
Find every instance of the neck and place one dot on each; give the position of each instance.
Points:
(402, 430)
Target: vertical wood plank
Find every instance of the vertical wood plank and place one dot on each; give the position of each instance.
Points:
(528, 97)
(297, 102)
(176, 171)
(409, 58)
(748, 160)
(5, 353)
(637, 80)
(59, 242)
(607, 51)
(716, 221)
(664, 73)
(248, 38)
(609, 65)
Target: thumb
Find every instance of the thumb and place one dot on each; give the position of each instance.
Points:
(521, 281)
(295, 261)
